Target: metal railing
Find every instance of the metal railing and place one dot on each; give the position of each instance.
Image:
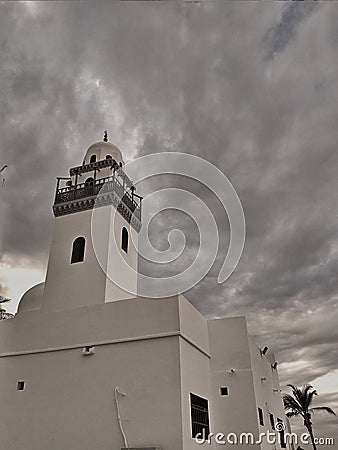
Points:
(97, 187)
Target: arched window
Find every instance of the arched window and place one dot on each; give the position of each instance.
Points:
(78, 250)
(92, 159)
(124, 244)
(109, 157)
(89, 181)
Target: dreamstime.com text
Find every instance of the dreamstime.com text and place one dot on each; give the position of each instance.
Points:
(269, 437)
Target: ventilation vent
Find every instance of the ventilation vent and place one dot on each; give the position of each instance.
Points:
(89, 350)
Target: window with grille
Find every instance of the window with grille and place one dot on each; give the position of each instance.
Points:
(199, 416)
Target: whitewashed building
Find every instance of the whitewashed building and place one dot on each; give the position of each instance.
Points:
(85, 367)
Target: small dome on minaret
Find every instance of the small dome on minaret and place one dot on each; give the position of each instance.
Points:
(103, 150)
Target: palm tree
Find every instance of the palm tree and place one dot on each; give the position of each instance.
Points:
(299, 404)
(3, 300)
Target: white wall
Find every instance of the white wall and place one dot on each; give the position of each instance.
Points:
(81, 284)
(194, 366)
(267, 389)
(68, 400)
(72, 285)
(122, 267)
(156, 351)
(235, 413)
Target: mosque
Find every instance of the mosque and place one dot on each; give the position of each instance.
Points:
(86, 366)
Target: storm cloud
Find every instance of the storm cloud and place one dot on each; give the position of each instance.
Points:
(250, 86)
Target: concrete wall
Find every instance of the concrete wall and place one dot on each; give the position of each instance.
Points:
(122, 267)
(73, 285)
(266, 388)
(231, 368)
(195, 379)
(194, 366)
(110, 322)
(85, 283)
(68, 400)
(156, 351)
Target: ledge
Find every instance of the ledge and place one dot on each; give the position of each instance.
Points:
(140, 448)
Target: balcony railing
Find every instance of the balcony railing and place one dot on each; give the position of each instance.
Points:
(92, 166)
(100, 187)
(97, 166)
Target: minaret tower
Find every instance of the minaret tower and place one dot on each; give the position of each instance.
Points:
(76, 276)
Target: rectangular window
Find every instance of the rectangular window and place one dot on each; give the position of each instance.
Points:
(260, 416)
(281, 434)
(20, 386)
(224, 390)
(272, 421)
(199, 416)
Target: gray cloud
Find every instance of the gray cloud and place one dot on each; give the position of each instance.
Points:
(281, 33)
(250, 87)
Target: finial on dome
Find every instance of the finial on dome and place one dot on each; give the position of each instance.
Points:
(105, 136)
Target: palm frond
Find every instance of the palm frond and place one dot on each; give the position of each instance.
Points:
(292, 414)
(298, 395)
(322, 408)
(310, 397)
(292, 404)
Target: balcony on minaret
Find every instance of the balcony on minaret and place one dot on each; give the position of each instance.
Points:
(98, 190)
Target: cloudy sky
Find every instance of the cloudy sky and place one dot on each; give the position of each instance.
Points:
(251, 87)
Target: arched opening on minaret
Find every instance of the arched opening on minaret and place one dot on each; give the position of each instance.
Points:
(78, 250)
(125, 239)
(89, 181)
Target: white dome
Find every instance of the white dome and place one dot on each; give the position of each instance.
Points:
(102, 150)
(31, 299)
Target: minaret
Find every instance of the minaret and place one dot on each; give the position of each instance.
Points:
(76, 276)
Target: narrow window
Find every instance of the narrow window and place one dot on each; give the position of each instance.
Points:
(199, 417)
(281, 434)
(20, 386)
(78, 250)
(272, 421)
(109, 157)
(224, 390)
(260, 415)
(124, 244)
(92, 159)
